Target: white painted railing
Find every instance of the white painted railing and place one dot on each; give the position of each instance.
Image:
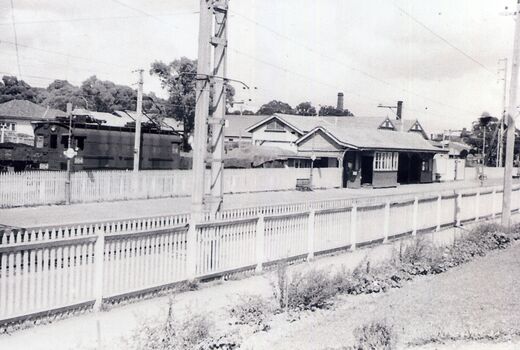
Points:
(57, 269)
(48, 187)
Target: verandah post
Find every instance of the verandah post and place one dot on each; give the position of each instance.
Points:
(310, 234)
(260, 242)
(99, 249)
(353, 227)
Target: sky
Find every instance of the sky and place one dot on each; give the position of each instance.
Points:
(439, 56)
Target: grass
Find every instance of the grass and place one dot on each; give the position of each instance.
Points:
(478, 298)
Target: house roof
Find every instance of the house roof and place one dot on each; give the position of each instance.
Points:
(237, 125)
(304, 124)
(246, 155)
(359, 138)
(23, 109)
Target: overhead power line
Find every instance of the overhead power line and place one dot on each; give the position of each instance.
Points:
(90, 19)
(354, 69)
(83, 58)
(444, 40)
(15, 40)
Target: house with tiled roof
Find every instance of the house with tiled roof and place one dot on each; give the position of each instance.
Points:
(372, 151)
(16, 117)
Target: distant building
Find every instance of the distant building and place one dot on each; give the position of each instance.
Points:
(235, 129)
(378, 152)
(16, 117)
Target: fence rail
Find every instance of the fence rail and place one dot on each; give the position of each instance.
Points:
(48, 269)
(48, 187)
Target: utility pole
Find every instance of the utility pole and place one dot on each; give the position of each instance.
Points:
(511, 114)
(69, 156)
(202, 88)
(500, 143)
(219, 41)
(139, 112)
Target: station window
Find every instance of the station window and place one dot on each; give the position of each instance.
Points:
(8, 126)
(386, 161)
(80, 143)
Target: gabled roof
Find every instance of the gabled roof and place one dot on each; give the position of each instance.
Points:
(363, 139)
(23, 109)
(238, 125)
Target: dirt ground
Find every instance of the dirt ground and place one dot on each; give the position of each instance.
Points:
(479, 298)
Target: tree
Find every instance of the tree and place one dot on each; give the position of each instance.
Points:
(106, 96)
(178, 78)
(61, 92)
(305, 108)
(490, 125)
(273, 107)
(333, 111)
(13, 89)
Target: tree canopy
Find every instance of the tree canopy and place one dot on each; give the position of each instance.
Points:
(13, 89)
(178, 78)
(333, 111)
(273, 107)
(305, 108)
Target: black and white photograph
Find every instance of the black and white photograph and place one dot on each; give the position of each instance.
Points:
(259, 175)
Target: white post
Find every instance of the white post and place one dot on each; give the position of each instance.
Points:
(353, 228)
(459, 209)
(191, 246)
(415, 214)
(99, 249)
(439, 210)
(494, 204)
(260, 242)
(477, 205)
(386, 227)
(310, 233)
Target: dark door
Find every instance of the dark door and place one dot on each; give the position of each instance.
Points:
(367, 170)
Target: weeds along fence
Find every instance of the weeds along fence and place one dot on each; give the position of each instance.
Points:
(47, 271)
(49, 187)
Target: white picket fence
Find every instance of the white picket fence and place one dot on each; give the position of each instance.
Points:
(48, 187)
(58, 269)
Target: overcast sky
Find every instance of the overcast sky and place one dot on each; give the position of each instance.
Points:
(291, 50)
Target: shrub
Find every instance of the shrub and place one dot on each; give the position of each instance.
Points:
(310, 290)
(376, 335)
(252, 310)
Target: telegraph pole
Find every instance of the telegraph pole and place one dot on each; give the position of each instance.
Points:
(139, 112)
(69, 156)
(201, 108)
(511, 114)
(219, 41)
(500, 143)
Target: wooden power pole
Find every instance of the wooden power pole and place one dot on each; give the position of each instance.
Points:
(500, 143)
(219, 41)
(511, 114)
(138, 119)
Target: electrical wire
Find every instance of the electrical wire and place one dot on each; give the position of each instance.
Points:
(15, 40)
(444, 40)
(354, 69)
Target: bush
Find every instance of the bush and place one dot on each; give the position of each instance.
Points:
(195, 332)
(376, 335)
(253, 310)
(310, 290)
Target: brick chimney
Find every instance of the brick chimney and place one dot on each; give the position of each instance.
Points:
(399, 110)
(340, 101)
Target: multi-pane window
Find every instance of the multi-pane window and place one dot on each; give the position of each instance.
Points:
(8, 126)
(386, 161)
